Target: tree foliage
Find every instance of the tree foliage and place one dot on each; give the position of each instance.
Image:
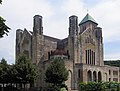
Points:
(4, 29)
(0, 1)
(4, 68)
(12, 74)
(99, 86)
(56, 73)
(26, 71)
(113, 63)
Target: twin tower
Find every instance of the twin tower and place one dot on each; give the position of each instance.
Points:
(73, 25)
(82, 51)
(69, 45)
(83, 44)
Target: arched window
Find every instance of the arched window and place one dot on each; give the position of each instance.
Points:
(90, 57)
(89, 76)
(69, 81)
(94, 76)
(99, 76)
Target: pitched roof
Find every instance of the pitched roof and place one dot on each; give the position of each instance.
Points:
(87, 18)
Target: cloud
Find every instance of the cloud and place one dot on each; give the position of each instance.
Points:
(73, 7)
(9, 57)
(21, 11)
(112, 56)
(57, 24)
(108, 17)
(7, 49)
(19, 14)
(57, 29)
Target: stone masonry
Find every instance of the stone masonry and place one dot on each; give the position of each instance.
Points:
(82, 51)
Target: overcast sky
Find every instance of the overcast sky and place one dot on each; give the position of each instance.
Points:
(19, 15)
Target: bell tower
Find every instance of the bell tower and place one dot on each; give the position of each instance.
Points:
(38, 28)
(73, 38)
(37, 39)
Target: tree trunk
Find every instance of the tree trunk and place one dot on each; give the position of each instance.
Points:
(3, 87)
(11, 86)
(31, 84)
(15, 85)
(24, 86)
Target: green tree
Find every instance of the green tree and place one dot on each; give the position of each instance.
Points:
(4, 29)
(112, 63)
(56, 73)
(3, 72)
(0, 1)
(26, 71)
(99, 86)
(12, 74)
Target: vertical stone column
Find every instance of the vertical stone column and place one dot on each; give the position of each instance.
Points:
(85, 79)
(111, 75)
(92, 76)
(96, 76)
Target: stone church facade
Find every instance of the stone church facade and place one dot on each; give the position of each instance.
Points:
(82, 51)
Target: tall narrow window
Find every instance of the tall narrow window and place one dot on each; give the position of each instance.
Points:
(94, 58)
(79, 73)
(86, 56)
(90, 56)
(109, 72)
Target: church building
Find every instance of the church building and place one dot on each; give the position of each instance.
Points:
(82, 51)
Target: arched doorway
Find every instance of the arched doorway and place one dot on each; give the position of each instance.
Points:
(99, 76)
(69, 81)
(94, 76)
(89, 76)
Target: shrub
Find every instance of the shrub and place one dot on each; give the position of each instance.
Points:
(99, 86)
